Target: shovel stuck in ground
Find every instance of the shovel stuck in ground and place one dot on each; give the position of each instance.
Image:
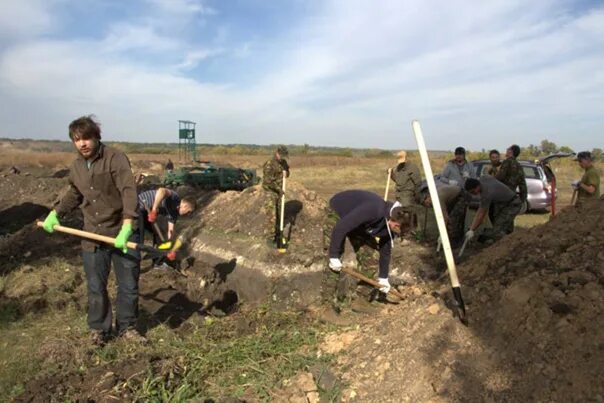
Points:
(442, 228)
(371, 282)
(281, 241)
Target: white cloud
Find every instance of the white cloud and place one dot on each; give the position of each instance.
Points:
(25, 18)
(183, 7)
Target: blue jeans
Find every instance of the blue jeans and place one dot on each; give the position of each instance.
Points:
(97, 266)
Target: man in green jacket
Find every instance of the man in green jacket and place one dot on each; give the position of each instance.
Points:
(407, 178)
(512, 174)
(102, 185)
(588, 188)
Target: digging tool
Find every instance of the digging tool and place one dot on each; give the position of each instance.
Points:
(387, 184)
(105, 239)
(463, 247)
(281, 243)
(157, 230)
(442, 228)
(370, 281)
(573, 199)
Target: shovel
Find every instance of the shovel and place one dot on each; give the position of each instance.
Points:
(442, 228)
(105, 239)
(371, 282)
(164, 242)
(387, 184)
(281, 243)
(463, 247)
(573, 199)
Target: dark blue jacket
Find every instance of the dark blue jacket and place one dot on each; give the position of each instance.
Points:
(362, 213)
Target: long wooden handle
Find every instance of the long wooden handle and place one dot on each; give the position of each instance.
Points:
(387, 184)
(573, 199)
(281, 218)
(370, 281)
(440, 220)
(89, 235)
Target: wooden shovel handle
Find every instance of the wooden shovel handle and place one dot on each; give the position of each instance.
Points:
(89, 235)
(370, 281)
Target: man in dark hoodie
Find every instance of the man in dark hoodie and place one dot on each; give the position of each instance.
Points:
(367, 220)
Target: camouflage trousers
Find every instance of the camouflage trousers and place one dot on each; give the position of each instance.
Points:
(502, 217)
(338, 289)
(272, 208)
(457, 218)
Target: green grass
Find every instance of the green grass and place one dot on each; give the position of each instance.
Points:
(212, 359)
(214, 364)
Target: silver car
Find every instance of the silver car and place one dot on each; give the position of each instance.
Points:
(537, 183)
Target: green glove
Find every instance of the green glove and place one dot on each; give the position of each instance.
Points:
(122, 237)
(50, 222)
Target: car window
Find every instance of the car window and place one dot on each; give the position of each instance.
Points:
(531, 172)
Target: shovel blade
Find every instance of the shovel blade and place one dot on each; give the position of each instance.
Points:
(460, 305)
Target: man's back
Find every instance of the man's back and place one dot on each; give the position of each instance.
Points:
(494, 191)
(407, 178)
(590, 177)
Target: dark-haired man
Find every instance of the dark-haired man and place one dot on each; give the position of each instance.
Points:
(512, 174)
(166, 203)
(101, 182)
(367, 220)
(495, 158)
(458, 170)
(588, 187)
(501, 202)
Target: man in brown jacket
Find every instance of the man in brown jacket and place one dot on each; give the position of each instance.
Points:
(102, 185)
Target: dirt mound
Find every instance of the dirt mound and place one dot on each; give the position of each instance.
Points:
(540, 293)
(245, 213)
(534, 303)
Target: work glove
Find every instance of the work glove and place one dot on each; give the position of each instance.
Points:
(50, 222)
(575, 185)
(171, 255)
(453, 182)
(152, 216)
(122, 237)
(469, 235)
(385, 285)
(335, 264)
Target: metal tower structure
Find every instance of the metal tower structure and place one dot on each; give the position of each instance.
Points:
(187, 148)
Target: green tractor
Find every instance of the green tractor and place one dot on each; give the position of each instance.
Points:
(208, 176)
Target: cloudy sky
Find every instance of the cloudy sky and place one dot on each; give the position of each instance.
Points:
(331, 72)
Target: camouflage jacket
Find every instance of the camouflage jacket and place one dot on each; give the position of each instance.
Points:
(273, 174)
(493, 170)
(407, 179)
(512, 174)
